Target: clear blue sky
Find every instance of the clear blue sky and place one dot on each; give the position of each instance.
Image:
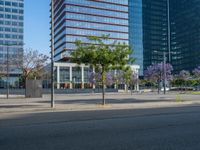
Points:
(36, 25)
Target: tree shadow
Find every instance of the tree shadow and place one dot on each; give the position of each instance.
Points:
(108, 101)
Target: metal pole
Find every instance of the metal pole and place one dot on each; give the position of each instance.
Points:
(52, 54)
(164, 71)
(7, 85)
(169, 30)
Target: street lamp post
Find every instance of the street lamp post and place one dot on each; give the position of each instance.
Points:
(7, 70)
(52, 54)
(164, 71)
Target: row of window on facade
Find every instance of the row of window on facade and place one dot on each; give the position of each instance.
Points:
(11, 10)
(102, 5)
(14, 4)
(8, 16)
(11, 23)
(11, 36)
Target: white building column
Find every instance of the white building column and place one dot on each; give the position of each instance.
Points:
(115, 74)
(137, 85)
(82, 77)
(70, 77)
(58, 77)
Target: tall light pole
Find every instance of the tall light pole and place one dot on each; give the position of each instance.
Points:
(164, 71)
(169, 30)
(52, 54)
(7, 72)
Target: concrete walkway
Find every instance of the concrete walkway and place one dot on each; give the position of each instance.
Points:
(81, 102)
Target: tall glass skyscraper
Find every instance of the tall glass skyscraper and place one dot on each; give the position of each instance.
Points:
(76, 19)
(185, 34)
(11, 38)
(171, 26)
(148, 31)
(150, 27)
(136, 31)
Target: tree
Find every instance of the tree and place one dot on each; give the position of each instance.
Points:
(31, 64)
(135, 80)
(155, 73)
(95, 77)
(130, 78)
(102, 56)
(127, 74)
(184, 76)
(196, 72)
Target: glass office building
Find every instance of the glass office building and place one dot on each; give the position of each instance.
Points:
(11, 39)
(151, 27)
(185, 34)
(136, 31)
(170, 26)
(77, 19)
(148, 31)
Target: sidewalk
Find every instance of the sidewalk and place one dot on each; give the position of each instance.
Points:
(81, 102)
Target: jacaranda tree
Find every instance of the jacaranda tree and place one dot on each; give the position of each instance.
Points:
(196, 72)
(155, 73)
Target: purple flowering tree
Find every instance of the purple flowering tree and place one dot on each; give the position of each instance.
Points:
(95, 77)
(184, 75)
(92, 78)
(155, 73)
(109, 79)
(196, 72)
(118, 78)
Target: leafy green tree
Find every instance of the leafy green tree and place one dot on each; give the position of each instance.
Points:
(127, 72)
(102, 56)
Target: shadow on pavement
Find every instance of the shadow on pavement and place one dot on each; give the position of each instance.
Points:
(18, 106)
(108, 101)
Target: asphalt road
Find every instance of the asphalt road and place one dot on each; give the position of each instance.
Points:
(149, 129)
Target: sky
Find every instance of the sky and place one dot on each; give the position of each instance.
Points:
(36, 25)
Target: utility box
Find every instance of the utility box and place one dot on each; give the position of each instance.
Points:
(33, 89)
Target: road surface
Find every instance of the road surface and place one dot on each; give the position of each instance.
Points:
(143, 129)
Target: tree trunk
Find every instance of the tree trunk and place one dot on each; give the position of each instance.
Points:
(103, 88)
(131, 89)
(158, 86)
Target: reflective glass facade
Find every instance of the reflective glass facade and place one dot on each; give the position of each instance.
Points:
(185, 34)
(155, 31)
(151, 27)
(171, 26)
(11, 33)
(148, 31)
(136, 31)
(76, 19)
